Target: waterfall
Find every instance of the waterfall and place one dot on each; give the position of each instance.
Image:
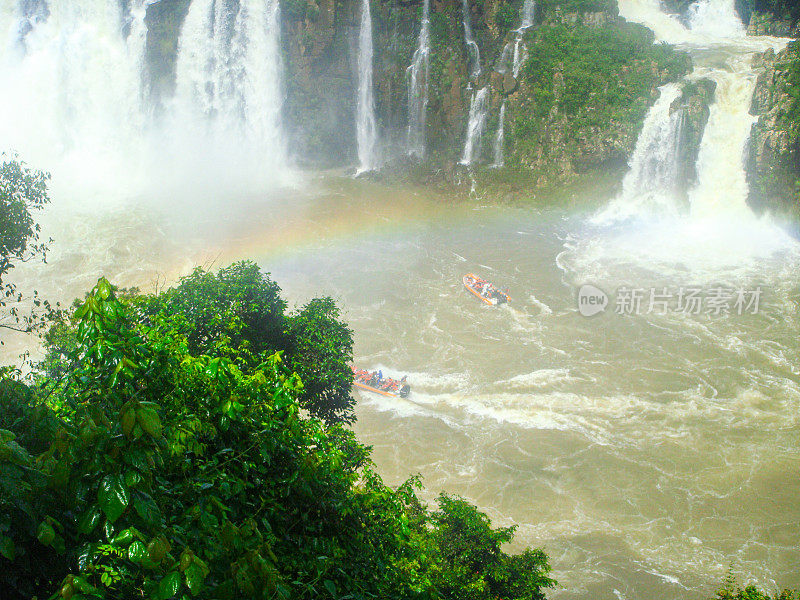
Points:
(718, 222)
(478, 109)
(513, 56)
(72, 81)
(498, 140)
(716, 18)
(366, 127)
(228, 86)
(472, 48)
(528, 11)
(418, 73)
(721, 186)
(137, 45)
(710, 22)
(651, 182)
(506, 62)
(721, 182)
(18, 19)
(520, 52)
(514, 53)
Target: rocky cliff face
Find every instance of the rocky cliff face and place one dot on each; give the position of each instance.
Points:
(576, 105)
(164, 20)
(319, 113)
(761, 23)
(319, 43)
(693, 103)
(774, 154)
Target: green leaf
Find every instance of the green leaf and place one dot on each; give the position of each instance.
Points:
(132, 479)
(108, 530)
(149, 420)
(7, 548)
(81, 312)
(123, 538)
(89, 520)
(137, 551)
(194, 578)
(113, 496)
(128, 421)
(45, 534)
(104, 288)
(147, 510)
(84, 586)
(169, 586)
(213, 367)
(330, 586)
(85, 556)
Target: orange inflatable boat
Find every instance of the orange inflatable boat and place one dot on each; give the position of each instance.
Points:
(372, 381)
(484, 291)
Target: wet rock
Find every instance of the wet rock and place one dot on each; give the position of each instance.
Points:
(694, 105)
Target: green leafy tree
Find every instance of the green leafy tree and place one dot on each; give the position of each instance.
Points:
(238, 309)
(730, 590)
(469, 554)
(320, 347)
(238, 313)
(22, 192)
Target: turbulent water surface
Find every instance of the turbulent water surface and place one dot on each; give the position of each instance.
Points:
(646, 453)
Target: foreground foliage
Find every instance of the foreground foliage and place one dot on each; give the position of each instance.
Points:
(730, 590)
(149, 470)
(23, 192)
(238, 314)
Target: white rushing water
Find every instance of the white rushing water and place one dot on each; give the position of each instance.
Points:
(366, 126)
(506, 62)
(650, 185)
(520, 52)
(719, 196)
(514, 53)
(528, 13)
(473, 52)
(229, 91)
(722, 184)
(418, 73)
(499, 161)
(715, 18)
(75, 98)
(72, 89)
(476, 124)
